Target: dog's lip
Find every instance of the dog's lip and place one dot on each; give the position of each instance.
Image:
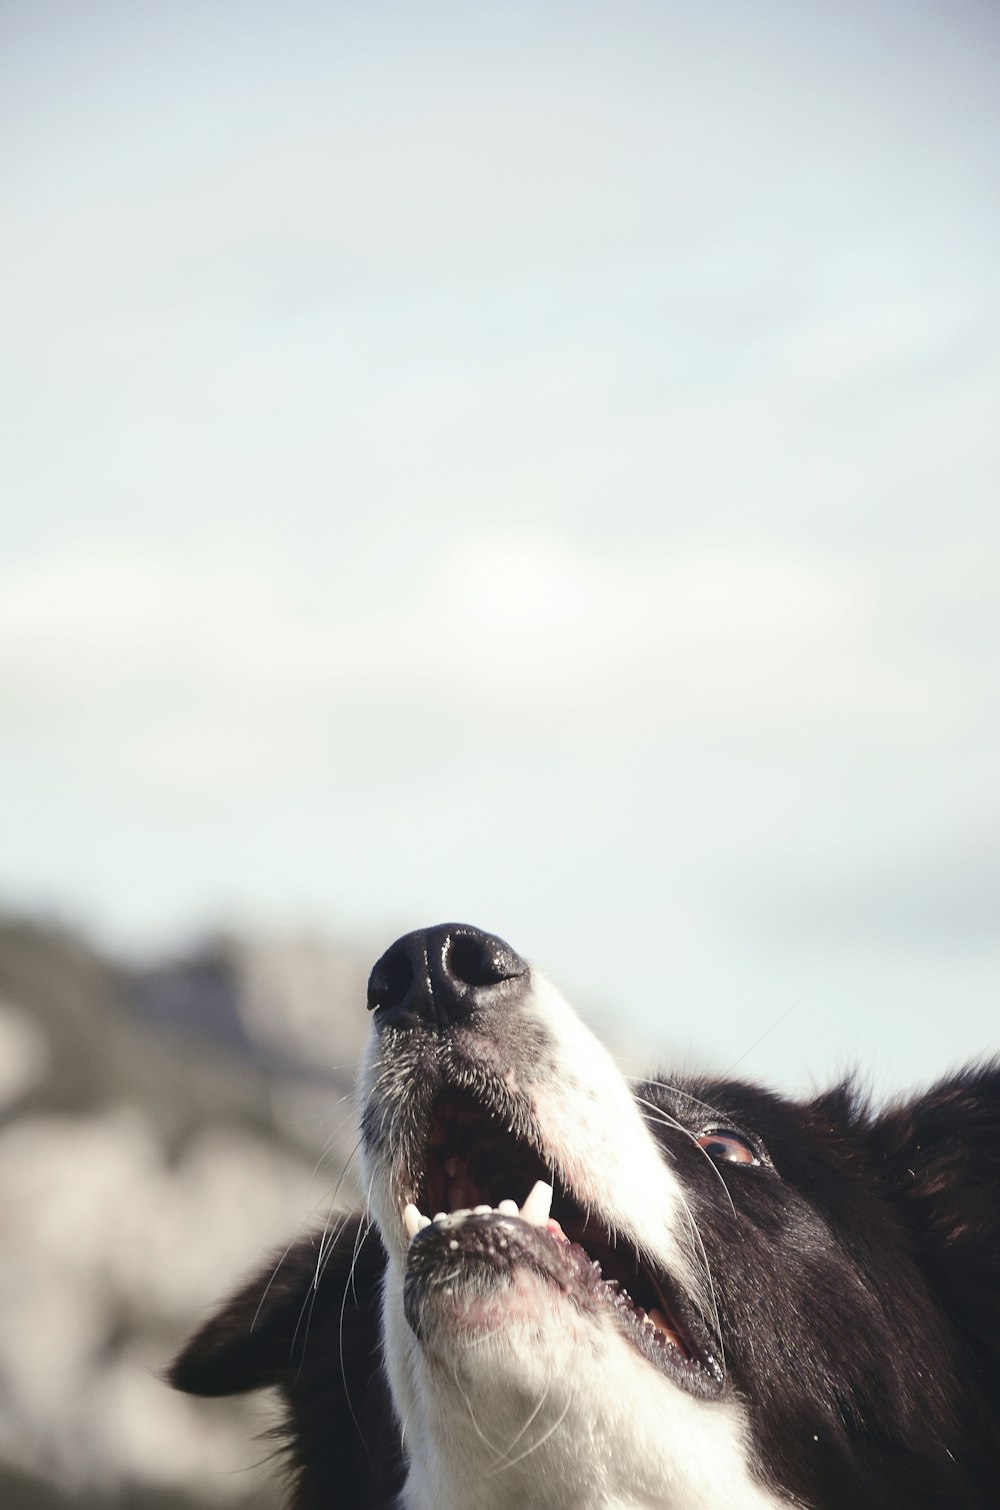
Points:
(505, 1239)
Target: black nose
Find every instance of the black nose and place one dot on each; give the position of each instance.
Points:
(439, 976)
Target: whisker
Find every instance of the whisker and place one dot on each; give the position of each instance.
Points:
(472, 1415)
(327, 1244)
(349, 1116)
(767, 1032)
(535, 1445)
(666, 1120)
(674, 1090)
(364, 1227)
(298, 1232)
(511, 1445)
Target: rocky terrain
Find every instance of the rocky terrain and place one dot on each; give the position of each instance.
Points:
(162, 1129)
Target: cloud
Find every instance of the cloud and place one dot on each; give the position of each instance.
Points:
(160, 670)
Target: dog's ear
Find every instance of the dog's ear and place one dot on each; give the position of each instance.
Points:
(940, 1157)
(310, 1326)
(263, 1333)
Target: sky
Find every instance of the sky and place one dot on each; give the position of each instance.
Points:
(532, 464)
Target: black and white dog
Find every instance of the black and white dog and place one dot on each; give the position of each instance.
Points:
(580, 1294)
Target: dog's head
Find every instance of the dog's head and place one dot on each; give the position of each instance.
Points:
(567, 1291)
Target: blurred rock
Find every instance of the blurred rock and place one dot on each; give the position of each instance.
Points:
(162, 1129)
(23, 1054)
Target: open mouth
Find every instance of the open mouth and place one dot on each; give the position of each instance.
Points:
(475, 1165)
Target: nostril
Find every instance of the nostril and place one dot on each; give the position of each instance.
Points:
(478, 959)
(391, 980)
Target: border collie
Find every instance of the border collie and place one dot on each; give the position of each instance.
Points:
(574, 1293)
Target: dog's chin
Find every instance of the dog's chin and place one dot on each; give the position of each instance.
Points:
(492, 1274)
(519, 1313)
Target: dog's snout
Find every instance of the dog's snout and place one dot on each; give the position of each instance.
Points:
(438, 976)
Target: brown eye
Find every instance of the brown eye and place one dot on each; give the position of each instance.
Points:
(728, 1147)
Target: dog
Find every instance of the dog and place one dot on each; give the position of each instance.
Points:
(570, 1292)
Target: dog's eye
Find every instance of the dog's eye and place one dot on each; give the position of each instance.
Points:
(729, 1147)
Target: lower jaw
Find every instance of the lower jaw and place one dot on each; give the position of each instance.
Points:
(518, 1302)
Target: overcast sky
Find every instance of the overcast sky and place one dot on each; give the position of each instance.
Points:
(533, 463)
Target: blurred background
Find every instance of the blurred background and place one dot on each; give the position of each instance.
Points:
(534, 464)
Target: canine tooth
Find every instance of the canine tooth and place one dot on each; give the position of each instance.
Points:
(439, 1216)
(657, 1318)
(412, 1219)
(538, 1204)
(508, 1208)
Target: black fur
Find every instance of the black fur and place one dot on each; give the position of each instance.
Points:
(859, 1287)
(318, 1344)
(856, 1270)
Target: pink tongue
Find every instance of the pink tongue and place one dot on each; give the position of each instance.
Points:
(553, 1226)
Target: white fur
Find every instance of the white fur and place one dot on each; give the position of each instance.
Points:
(535, 1404)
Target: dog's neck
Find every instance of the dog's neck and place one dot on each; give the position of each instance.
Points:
(528, 1417)
(415, 1499)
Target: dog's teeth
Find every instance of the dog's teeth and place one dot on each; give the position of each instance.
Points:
(412, 1219)
(538, 1204)
(535, 1210)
